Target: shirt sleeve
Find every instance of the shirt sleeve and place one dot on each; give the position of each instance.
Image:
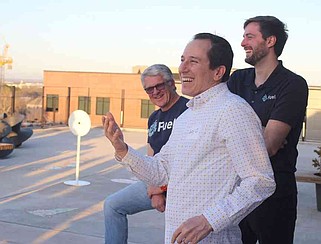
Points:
(149, 123)
(242, 131)
(292, 101)
(152, 170)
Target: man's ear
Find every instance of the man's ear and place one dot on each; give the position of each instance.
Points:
(219, 73)
(271, 40)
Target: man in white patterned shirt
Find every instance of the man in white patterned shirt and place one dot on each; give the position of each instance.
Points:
(215, 162)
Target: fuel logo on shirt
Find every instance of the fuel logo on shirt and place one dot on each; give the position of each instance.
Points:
(160, 126)
(152, 129)
(165, 125)
(268, 97)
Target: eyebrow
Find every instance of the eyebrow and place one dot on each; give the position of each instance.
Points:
(195, 57)
(191, 57)
(248, 34)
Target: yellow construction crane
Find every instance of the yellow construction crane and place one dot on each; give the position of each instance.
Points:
(4, 59)
(5, 63)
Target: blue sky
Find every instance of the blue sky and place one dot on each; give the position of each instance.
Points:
(113, 36)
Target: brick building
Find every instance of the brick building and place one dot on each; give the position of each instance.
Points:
(96, 93)
(122, 94)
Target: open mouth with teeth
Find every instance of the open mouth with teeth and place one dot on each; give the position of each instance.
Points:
(184, 80)
(158, 96)
(247, 50)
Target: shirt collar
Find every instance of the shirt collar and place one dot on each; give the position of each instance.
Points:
(210, 93)
(270, 82)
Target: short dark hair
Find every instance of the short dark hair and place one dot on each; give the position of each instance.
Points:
(271, 26)
(220, 53)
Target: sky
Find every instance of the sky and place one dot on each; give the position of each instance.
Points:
(114, 36)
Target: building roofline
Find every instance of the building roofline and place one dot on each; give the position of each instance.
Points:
(314, 87)
(91, 72)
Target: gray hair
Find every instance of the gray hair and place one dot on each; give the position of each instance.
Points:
(158, 69)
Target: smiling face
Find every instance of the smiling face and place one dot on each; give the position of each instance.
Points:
(194, 70)
(256, 48)
(163, 98)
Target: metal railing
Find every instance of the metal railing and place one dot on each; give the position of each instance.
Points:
(30, 102)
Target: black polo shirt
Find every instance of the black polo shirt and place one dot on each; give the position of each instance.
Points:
(282, 97)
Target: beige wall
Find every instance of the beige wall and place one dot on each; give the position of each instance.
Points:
(96, 85)
(313, 125)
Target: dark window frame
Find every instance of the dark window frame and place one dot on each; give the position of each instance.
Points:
(52, 102)
(102, 105)
(84, 103)
(146, 108)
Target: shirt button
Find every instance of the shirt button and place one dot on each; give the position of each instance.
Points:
(255, 92)
(252, 101)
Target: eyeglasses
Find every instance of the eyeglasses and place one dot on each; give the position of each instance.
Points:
(159, 87)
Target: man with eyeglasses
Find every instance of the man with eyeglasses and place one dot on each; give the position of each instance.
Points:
(159, 84)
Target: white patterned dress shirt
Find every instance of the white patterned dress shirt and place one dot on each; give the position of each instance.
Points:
(215, 163)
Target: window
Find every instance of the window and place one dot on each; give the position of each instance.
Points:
(147, 107)
(84, 104)
(52, 102)
(102, 105)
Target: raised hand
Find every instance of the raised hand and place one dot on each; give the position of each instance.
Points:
(114, 135)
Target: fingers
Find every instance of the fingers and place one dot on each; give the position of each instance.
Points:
(181, 235)
(106, 117)
(192, 230)
(114, 135)
(110, 126)
(181, 239)
(177, 235)
(103, 119)
(158, 202)
(161, 208)
(149, 194)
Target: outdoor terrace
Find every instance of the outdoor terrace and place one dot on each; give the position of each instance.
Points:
(37, 207)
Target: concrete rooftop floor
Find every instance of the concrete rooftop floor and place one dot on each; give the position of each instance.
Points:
(37, 207)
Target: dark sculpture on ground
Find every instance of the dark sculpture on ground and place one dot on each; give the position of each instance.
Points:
(11, 133)
(6, 147)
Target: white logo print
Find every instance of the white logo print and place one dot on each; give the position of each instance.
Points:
(152, 129)
(268, 97)
(165, 125)
(160, 126)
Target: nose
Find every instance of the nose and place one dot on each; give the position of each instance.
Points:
(155, 91)
(243, 42)
(182, 67)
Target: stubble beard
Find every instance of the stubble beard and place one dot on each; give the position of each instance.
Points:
(257, 55)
